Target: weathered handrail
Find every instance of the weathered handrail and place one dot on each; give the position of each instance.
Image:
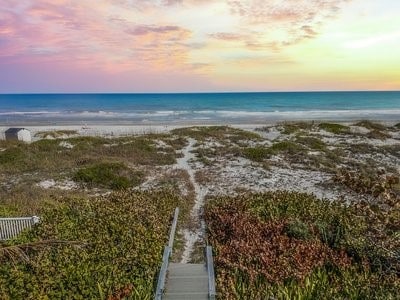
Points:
(165, 260)
(162, 276)
(11, 227)
(173, 229)
(211, 275)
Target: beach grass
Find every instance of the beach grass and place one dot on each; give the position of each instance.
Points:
(378, 134)
(55, 133)
(371, 125)
(51, 156)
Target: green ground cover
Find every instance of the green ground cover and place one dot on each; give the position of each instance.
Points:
(98, 248)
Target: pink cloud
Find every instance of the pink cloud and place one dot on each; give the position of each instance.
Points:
(300, 19)
(80, 32)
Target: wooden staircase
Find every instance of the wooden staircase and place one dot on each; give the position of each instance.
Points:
(185, 281)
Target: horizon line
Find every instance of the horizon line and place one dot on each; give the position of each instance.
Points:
(188, 93)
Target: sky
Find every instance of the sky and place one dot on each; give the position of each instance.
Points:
(71, 46)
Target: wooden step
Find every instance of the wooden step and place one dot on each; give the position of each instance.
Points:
(186, 296)
(176, 269)
(187, 281)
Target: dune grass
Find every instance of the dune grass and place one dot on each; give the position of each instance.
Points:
(55, 134)
(50, 155)
(371, 125)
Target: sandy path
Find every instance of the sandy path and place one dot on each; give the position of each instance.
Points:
(192, 235)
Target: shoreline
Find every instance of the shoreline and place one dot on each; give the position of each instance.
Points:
(192, 118)
(117, 129)
(192, 122)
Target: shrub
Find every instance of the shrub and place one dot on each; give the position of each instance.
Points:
(108, 175)
(292, 127)
(11, 156)
(311, 142)
(257, 153)
(287, 147)
(334, 128)
(298, 230)
(45, 146)
(217, 132)
(260, 153)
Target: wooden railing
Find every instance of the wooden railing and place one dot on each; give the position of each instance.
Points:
(11, 227)
(165, 260)
(211, 275)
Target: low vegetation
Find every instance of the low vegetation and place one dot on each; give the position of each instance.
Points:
(50, 158)
(312, 143)
(257, 154)
(335, 128)
(219, 133)
(376, 182)
(260, 153)
(371, 125)
(114, 176)
(99, 248)
(288, 147)
(275, 245)
(294, 127)
(377, 134)
(55, 134)
(282, 245)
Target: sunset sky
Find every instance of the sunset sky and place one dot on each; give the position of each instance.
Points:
(198, 45)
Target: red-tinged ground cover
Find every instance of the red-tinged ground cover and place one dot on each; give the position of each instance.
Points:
(286, 245)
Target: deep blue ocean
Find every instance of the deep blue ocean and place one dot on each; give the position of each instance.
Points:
(197, 108)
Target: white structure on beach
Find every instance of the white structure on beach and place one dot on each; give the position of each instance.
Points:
(18, 134)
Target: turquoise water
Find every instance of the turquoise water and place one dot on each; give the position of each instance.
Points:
(201, 108)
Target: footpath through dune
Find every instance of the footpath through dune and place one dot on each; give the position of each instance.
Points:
(194, 234)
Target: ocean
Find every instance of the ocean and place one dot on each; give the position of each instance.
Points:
(209, 108)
